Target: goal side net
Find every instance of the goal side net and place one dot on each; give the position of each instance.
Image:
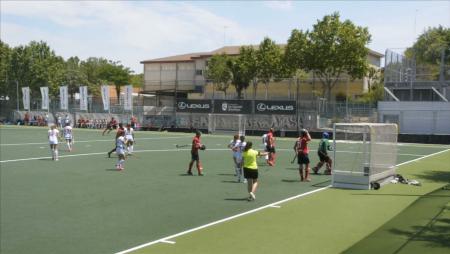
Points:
(364, 153)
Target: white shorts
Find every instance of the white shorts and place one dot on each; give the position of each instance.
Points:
(53, 141)
(129, 138)
(120, 150)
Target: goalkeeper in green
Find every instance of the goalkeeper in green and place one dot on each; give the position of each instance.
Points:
(324, 147)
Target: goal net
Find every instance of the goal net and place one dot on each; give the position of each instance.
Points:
(364, 153)
(227, 124)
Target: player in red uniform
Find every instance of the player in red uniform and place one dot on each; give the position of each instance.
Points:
(271, 147)
(301, 148)
(196, 145)
(110, 126)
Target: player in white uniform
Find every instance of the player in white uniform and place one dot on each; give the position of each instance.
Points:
(129, 135)
(234, 146)
(68, 136)
(240, 149)
(53, 135)
(120, 150)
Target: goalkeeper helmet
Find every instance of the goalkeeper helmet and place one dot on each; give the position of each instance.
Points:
(325, 135)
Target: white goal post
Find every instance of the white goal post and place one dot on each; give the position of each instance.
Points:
(227, 124)
(364, 154)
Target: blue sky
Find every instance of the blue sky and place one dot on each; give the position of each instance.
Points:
(130, 32)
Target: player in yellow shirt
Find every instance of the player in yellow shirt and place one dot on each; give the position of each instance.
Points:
(251, 169)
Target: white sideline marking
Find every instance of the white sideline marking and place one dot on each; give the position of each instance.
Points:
(167, 150)
(425, 156)
(104, 153)
(85, 141)
(275, 206)
(249, 212)
(167, 241)
(219, 221)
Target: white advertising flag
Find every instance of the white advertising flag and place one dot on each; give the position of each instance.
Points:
(83, 97)
(128, 98)
(26, 98)
(44, 93)
(105, 97)
(63, 97)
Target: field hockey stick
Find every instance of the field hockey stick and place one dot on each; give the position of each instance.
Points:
(180, 146)
(293, 159)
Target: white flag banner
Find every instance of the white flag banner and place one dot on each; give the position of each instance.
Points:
(44, 93)
(26, 98)
(63, 97)
(128, 98)
(83, 97)
(105, 97)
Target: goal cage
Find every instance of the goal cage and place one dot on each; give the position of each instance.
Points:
(226, 124)
(364, 154)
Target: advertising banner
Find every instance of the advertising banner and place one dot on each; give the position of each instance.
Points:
(194, 106)
(105, 97)
(44, 93)
(63, 97)
(275, 107)
(83, 97)
(26, 98)
(232, 107)
(128, 98)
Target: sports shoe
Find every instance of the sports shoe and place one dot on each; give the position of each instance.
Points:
(252, 196)
(244, 181)
(327, 172)
(200, 174)
(315, 170)
(189, 173)
(109, 155)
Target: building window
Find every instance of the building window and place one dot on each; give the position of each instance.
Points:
(199, 72)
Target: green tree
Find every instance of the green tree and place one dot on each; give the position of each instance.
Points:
(427, 51)
(331, 49)
(244, 69)
(137, 80)
(115, 74)
(74, 75)
(5, 62)
(269, 57)
(219, 72)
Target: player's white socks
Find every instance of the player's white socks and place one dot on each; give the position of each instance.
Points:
(130, 149)
(56, 154)
(69, 146)
(266, 157)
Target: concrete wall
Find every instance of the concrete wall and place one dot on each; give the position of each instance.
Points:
(417, 117)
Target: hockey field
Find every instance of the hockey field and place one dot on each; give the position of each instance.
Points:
(82, 204)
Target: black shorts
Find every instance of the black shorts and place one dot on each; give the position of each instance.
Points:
(323, 157)
(195, 157)
(302, 158)
(250, 173)
(270, 149)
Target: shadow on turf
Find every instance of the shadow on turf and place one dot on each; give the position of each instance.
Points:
(223, 174)
(229, 181)
(236, 199)
(435, 176)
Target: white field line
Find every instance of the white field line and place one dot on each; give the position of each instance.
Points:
(275, 204)
(219, 221)
(159, 150)
(423, 157)
(87, 141)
